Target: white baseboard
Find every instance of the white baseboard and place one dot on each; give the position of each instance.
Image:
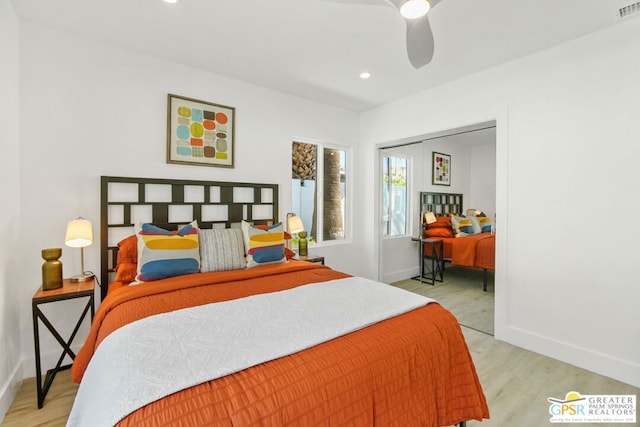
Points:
(9, 389)
(26, 368)
(617, 369)
(397, 276)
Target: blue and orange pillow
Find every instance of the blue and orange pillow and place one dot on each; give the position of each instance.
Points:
(468, 225)
(484, 221)
(462, 226)
(264, 245)
(163, 253)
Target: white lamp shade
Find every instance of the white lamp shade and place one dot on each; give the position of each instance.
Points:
(79, 233)
(414, 9)
(430, 218)
(294, 224)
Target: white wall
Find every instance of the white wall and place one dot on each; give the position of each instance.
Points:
(482, 188)
(567, 173)
(89, 109)
(399, 256)
(10, 286)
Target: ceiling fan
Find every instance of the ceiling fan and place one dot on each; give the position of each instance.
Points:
(420, 44)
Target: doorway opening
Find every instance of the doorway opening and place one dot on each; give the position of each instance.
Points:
(472, 151)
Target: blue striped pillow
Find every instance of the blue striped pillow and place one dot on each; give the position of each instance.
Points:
(461, 225)
(264, 246)
(485, 222)
(163, 253)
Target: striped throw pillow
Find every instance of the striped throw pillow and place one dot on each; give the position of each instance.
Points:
(221, 249)
(462, 226)
(485, 222)
(163, 253)
(264, 246)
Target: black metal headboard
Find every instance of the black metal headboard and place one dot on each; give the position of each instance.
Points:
(171, 203)
(441, 204)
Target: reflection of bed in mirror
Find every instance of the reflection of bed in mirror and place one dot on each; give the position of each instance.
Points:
(410, 368)
(468, 240)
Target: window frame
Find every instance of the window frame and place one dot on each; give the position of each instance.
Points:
(347, 220)
(408, 217)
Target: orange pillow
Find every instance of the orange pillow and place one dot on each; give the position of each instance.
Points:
(128, 250)
(126, 272)
(438, 232)
(289, 253)
(441, 222)
(440, 228)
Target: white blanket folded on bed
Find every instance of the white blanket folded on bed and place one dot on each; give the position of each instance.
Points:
(162, 354)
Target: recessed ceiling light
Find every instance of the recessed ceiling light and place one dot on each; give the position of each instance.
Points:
(365, 75)
(171, 1)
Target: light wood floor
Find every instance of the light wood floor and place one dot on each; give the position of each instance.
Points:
(24, 410)
(461, 293)
(516, 382)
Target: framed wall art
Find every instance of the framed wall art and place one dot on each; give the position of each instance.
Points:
(441, 169)
(199, 132)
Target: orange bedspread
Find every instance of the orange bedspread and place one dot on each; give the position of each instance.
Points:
(486, 253)
(413, 369)
(476, 250)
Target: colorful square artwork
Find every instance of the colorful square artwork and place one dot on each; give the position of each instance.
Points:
(199, 132)
(441, 169)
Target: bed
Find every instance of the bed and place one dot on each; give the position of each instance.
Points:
(462, 247)
(411, 367)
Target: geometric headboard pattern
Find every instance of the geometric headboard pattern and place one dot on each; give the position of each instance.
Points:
(170, 203)
(441, 204)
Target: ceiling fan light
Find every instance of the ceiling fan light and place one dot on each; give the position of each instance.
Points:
(414, 9)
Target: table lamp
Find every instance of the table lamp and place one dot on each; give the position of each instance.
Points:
(430, 218)
(294, 225)
(79, 235)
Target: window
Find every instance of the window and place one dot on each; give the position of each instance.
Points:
(394, 195)
(319, 190)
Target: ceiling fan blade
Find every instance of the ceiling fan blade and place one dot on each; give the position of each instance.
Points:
(420, 44)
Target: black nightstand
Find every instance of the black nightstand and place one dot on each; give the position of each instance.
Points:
(69, 290)
(437, 262)
(435, 272)
(311, 258)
